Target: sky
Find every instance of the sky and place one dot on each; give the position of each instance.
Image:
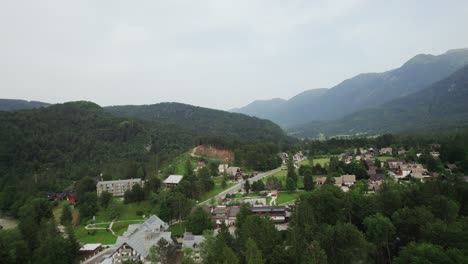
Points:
(217, 54)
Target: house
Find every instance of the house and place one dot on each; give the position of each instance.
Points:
(434, 154)
(173, 180)
(394, 164)
(299, 156)
(434, 146)
(412, 169)
(376, 181)
(232, 171)
(320, 180)
(193, 242)
(232, 214)
(222, 168)
(277, 213)
(118, 187)
(135, 243)
(90, 249)
(401, 151)
(451, 167)
(219, 214)
(348, 180)
(386, 151)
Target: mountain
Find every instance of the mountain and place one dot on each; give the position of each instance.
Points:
(442, 105)
(204, 122)
(68, 141)
(368, 90)
(280, 111)
(13, 104)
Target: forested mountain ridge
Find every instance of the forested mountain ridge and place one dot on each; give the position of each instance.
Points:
(14, 104)
(205, 122)
(63, 137)
(441, 106)
(373, 89)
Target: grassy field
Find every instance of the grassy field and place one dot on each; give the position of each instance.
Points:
(384, 158)
(217, 189)
(95, 236)
(281, 175)
(177, 229)
(285, 197)
(318, 160)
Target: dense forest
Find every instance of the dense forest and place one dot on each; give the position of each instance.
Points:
(411, 223)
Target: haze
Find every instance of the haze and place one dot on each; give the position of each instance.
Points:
(217, 54)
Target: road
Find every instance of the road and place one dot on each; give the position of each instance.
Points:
(237, 187)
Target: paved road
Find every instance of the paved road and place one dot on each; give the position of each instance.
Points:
(237, 187)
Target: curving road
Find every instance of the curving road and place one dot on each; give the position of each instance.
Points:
(237, 187)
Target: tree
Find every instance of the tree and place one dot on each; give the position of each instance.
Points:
(273, 183)
(429, 253)
(225, 237)
(252, 254)
(377, 163)
(315, 254)
(229, 256)
(88, 205)
(105, 199)
(188, 168)
(85, 185)
(344, 244)
(165, 251)
(66, 216)
(199, 221)
(291, 170)
(409, 222)
(381, 232)
(290, 185)
(223, 183)
(247, 186)
(308, 182)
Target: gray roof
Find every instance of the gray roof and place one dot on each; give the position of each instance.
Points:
(141, 237)
(174, 179)
(119, 181)
(192, 241)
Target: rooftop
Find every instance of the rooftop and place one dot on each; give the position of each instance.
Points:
(173, 179)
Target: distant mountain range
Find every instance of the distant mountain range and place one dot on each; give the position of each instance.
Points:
(360, 92)
(14, 104)
(443, 105)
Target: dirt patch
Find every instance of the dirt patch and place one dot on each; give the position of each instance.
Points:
(213, 153)
(8, 223)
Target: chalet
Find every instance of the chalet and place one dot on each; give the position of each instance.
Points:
(277, 213)
(136, 242)
(90, 249)
(232, 214)
(376, 181)
(299, 156)
(222, 168)
(193, 242)
(401, 151)
(320, 180)
(434, 154)
(118, 187)
(219, 214)
(173, 180)
(232, 171)
(386, 151)
(346, 180)
(394, 164)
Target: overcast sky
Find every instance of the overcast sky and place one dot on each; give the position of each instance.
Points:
(218, 54)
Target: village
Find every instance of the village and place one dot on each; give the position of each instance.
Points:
(263, 192)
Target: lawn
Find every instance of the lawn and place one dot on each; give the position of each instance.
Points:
(317, 160)
(120, 228)
(384, 158)
(217, 189)
(284, 197)
(281, 175)
(177, 229)
(95, 236)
